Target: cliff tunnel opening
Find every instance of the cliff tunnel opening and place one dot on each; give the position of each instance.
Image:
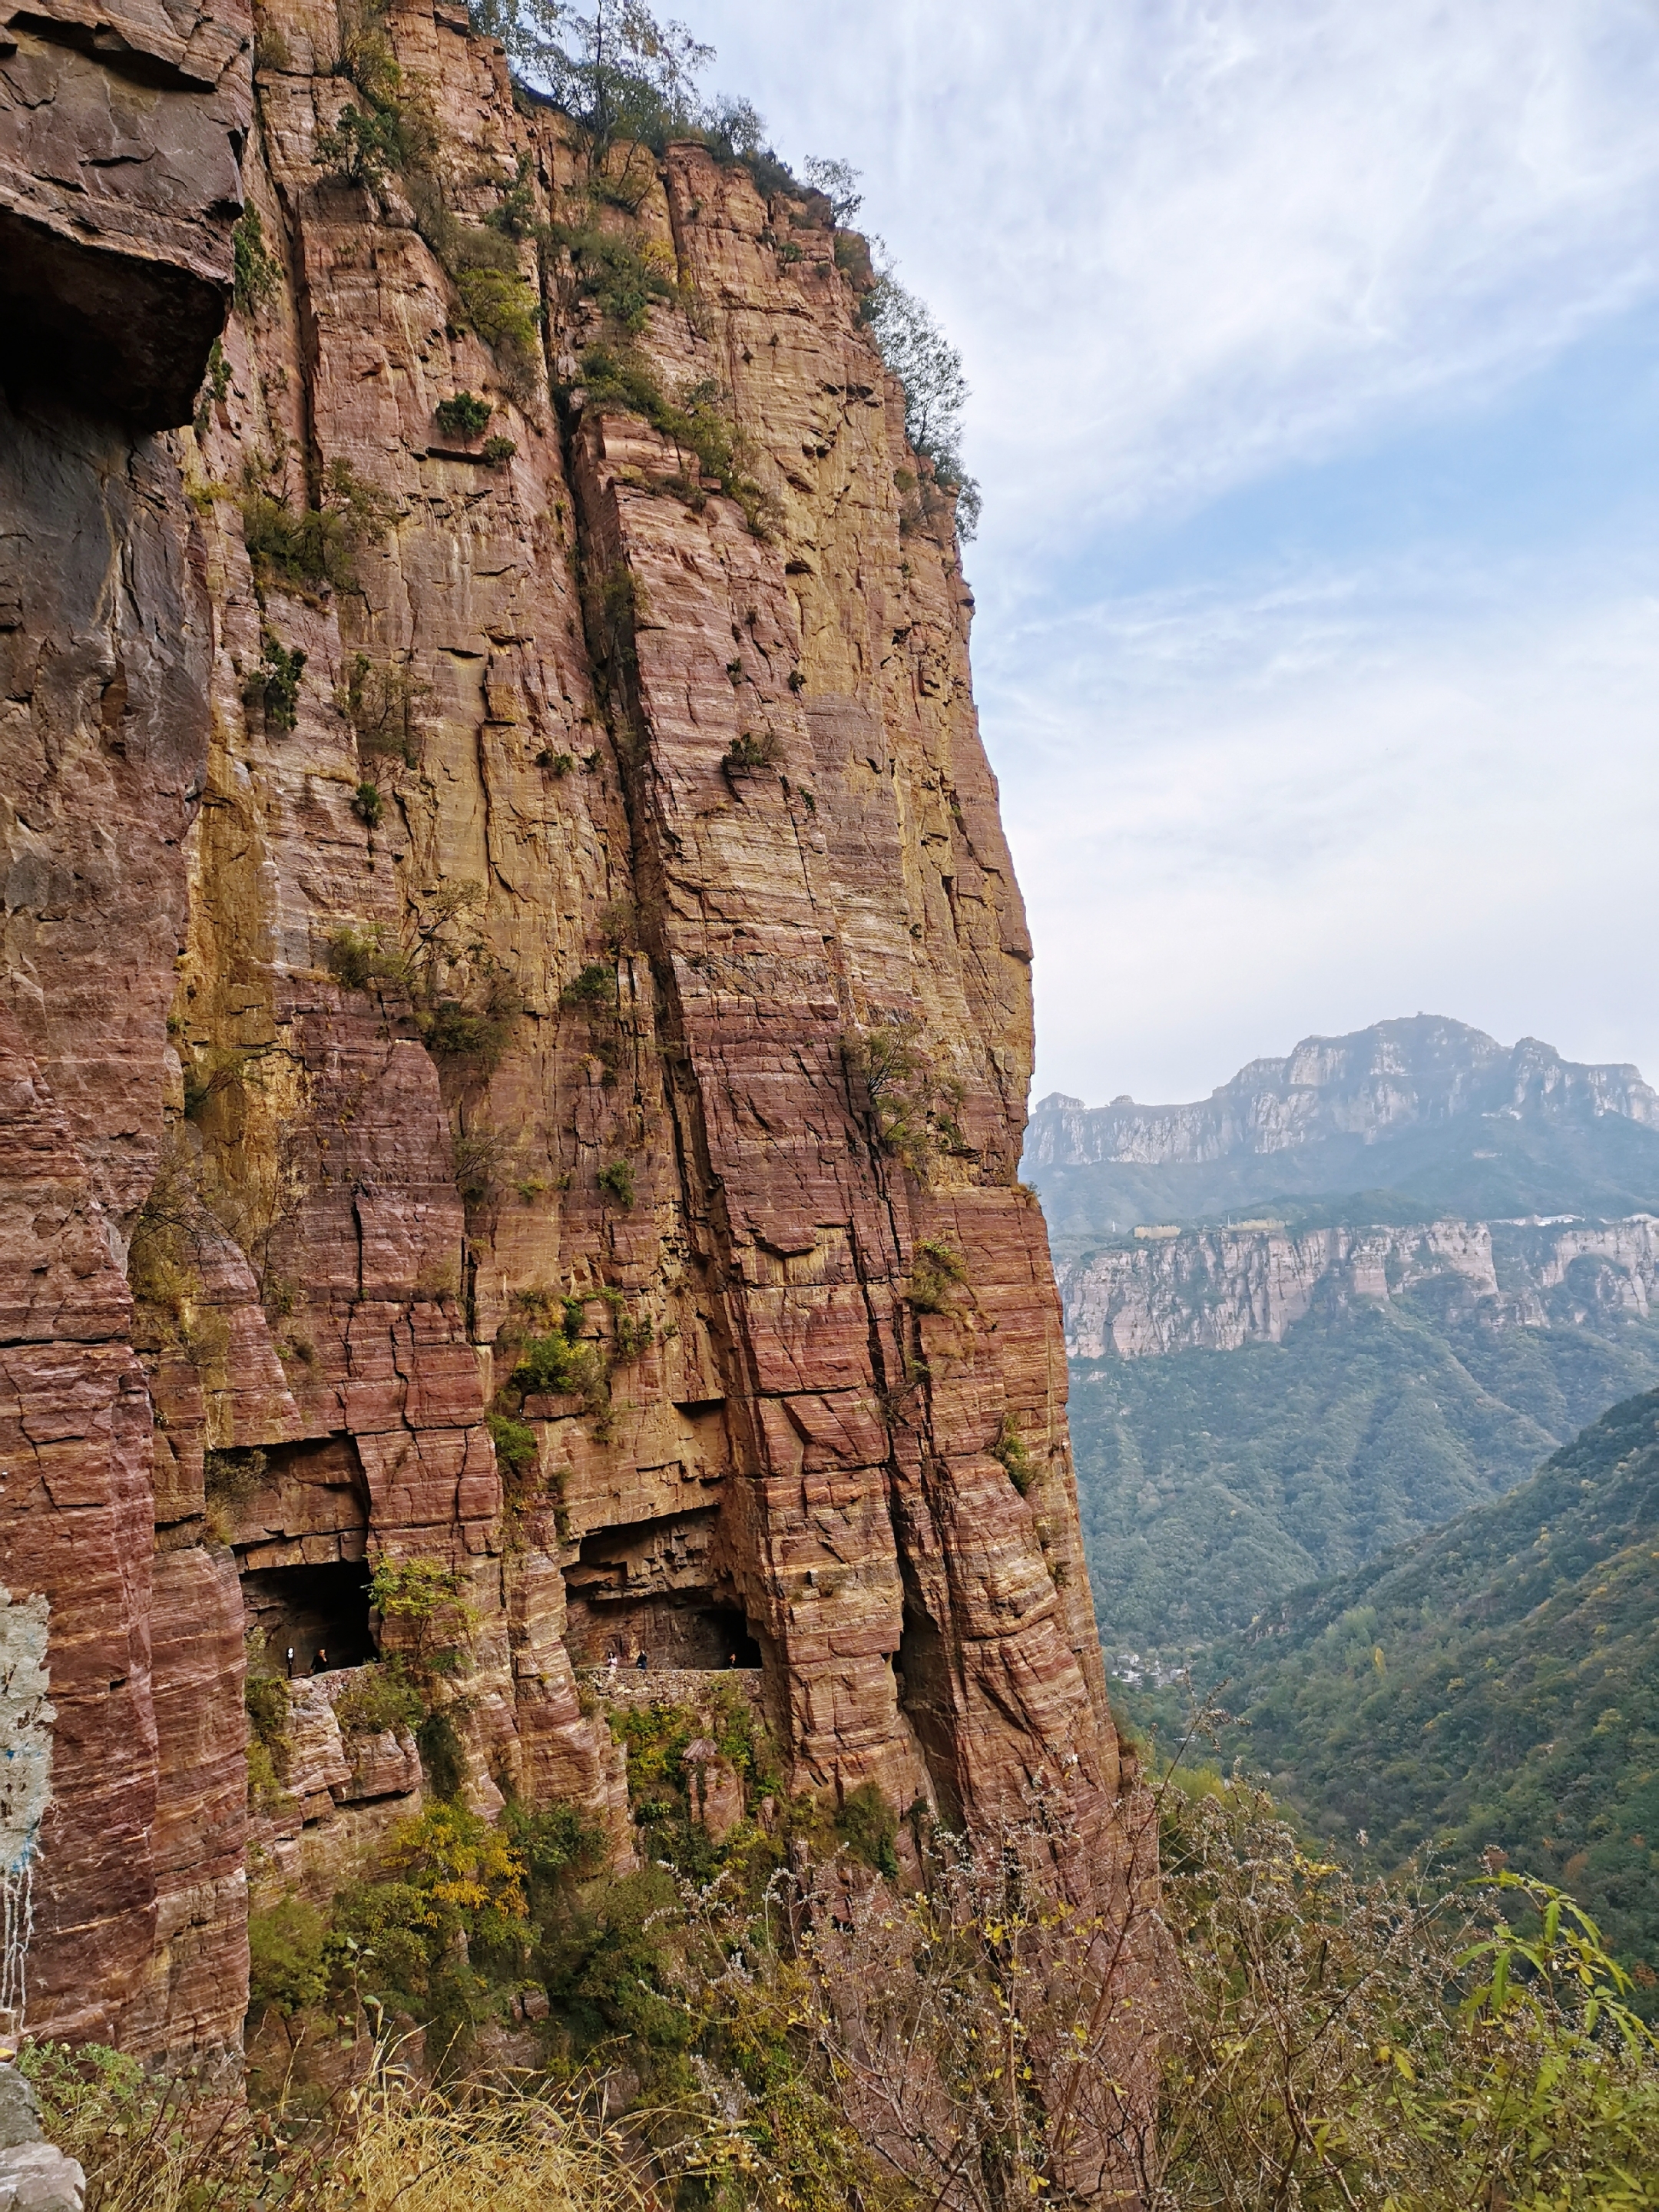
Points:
(921, 1669)
(320, 1613)
(653, 1587)
(679, 1630)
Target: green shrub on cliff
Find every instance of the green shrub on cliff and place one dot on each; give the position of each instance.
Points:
(441, 1925)
(894, 1081)
(424, 1603)
(593, 990)
(392, 132)
(382, 701)
(515, 1443)
(620, 275)
(303, 550)
(463, 415)
(616, 1179)
(478, 1027)
(699, 423)
(1011, 1449)
(270, 1750)
(502, 305)
(258, 272)
(361, 958)
(287, 1969)
(274, 685)
(750, 750)
(381, 1697)
(937, 1275)
(554, 1367)
(868, 1826)
(416, 1590)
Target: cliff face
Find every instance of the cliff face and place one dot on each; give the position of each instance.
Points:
(1217, 1290)
(603, 939)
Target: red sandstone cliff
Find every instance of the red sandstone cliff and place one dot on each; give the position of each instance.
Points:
(307, 1125)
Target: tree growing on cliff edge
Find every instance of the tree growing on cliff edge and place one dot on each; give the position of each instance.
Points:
(611, 65)
(935, 389)
(838, 181)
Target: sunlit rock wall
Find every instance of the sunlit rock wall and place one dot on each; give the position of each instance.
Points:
(308, 1127)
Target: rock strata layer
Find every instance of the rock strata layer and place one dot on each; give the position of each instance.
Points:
(1217, 1290)
(516, 1009)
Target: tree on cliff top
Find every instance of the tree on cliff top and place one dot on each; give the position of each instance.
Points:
(629, 79)
(611, 65)
(935, 389)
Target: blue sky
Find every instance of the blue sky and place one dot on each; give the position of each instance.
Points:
(1314, 352)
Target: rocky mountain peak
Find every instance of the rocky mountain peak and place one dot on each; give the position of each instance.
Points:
(1394, 1076)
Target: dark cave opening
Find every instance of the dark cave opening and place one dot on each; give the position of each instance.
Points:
(320, 1613)
(922, 1668)
(683, 1628)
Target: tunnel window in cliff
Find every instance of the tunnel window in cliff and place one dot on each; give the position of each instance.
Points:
(648, 1587)
(319, 1612)
(671, 1631)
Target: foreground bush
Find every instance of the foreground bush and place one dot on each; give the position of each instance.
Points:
(1330, 2042)
(391, 2142)
(785, 2021)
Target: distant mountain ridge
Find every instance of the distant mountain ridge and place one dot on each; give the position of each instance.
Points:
(1391, 1271)
(1410, 1119)
(1395, 1075)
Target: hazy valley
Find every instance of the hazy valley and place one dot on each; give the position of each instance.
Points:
(1262, 1401)
(1491, 1686)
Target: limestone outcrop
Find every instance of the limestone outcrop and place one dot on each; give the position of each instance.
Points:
(1216, 1290)
(516, 1011)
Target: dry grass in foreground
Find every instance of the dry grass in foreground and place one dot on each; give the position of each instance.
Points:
(392, 2142)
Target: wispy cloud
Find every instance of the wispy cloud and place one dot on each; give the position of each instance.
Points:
(1264, 817)
(1183, 238)
(1272, 764)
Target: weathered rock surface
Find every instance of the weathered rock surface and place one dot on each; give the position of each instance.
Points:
(1216, 1290)
(35, 2176)
(309, 1128)
(39, 2178)
(122, 126)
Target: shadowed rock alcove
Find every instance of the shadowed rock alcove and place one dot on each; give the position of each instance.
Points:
(676, 1631)
(313, 1610)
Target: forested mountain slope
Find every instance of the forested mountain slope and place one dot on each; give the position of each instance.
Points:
(1495, 1684)
(1214, 1481)
(1262, 1401)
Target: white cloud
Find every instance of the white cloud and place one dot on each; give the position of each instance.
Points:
(1187, 245)
(1181, 239)
(1279, 817)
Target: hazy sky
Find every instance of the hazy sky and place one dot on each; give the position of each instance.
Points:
(1314, 349)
